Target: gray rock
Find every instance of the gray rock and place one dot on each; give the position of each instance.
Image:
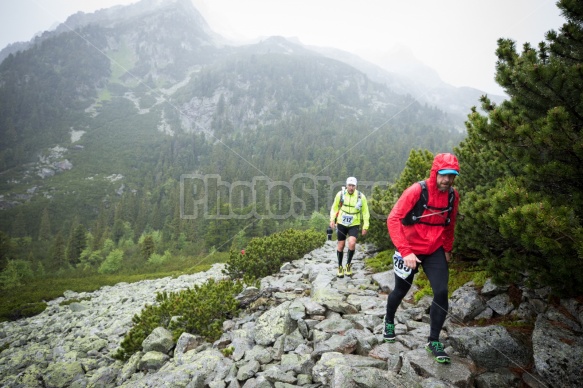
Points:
(248, 370)
(313, 308)
(419, 363)
(152, 361)
(160, 340)
(385, 280)
(299, 363)
(491, 346)
(500, 304)
(558, 353)
(336, 343)
(490, 289)
(466, 303)
(63, 374)
(273, 324)
(275, 375)
(500, 378)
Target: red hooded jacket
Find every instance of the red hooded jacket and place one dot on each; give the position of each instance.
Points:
(424, 239)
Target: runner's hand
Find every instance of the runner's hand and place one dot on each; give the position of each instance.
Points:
(411, 260)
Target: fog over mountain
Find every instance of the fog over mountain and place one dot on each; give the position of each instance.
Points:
(120, 108)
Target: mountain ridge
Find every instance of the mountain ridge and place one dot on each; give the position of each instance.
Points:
(147, 99)
(400, 78)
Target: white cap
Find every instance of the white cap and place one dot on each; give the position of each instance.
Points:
(351, 181)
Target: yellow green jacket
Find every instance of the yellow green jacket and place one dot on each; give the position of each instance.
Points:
(348, 214)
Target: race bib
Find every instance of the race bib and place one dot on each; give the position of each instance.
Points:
(399, 267)
(347, 219)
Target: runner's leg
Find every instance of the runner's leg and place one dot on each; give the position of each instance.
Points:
(436, 269)
(402, 286)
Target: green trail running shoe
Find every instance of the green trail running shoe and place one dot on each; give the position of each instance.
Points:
(340, 273)
(389, 332)
(348, 270)
(436, 350)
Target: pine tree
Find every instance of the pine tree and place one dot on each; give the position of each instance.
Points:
(117, 231)
(148, 247)
(5, 249)
(77, 243)
(58, 251)
(522, 166)
(44, 233)
(141, 218)
(99, 229)
(19, 225)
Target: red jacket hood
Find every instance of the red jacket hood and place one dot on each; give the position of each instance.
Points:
(442, 162)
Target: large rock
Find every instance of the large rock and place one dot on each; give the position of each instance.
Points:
(466, 303)
(159, 340)
(273, 324)
(491, 347)
(558, 353)
(63, 374)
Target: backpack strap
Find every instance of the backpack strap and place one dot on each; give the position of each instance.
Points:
(342, 203)
(416, 214)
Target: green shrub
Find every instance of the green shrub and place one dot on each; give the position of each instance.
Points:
(27, 310)
(200, 310)
(381, 262)
(264, 255)
(15, 274)
(90, 258)
(157, 259)
(319, 221)
(74, 300)
(112, 262)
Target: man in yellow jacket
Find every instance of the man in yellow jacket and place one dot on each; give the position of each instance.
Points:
(349, 212)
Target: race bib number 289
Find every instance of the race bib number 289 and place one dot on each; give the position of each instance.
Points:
(399, 267)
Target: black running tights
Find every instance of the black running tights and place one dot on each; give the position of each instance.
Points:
(436, 269)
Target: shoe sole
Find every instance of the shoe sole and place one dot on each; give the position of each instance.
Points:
(389, 340)
(440, 359)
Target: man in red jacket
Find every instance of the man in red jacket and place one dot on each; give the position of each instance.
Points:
(425, 238)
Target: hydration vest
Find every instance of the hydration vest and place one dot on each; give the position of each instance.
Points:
(415, 216)
(341, 203)
(358, 202)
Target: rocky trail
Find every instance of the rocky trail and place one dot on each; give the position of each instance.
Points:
(302, 327)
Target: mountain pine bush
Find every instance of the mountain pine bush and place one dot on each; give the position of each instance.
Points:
(199, 310)
(264, 255)
(521, 184)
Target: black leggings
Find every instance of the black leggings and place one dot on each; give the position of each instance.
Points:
(436, 269)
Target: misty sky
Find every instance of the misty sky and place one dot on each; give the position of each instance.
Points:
(455, 37)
